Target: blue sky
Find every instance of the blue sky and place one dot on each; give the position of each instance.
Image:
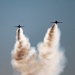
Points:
(36, 15)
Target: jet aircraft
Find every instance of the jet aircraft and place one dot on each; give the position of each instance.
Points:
(19, 26)
(56, 22)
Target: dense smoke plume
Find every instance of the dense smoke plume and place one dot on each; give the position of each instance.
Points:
(49, 60)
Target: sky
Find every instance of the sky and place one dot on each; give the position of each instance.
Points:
(35, 16)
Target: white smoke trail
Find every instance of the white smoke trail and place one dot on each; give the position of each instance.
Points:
(50, 52)
(49, 61)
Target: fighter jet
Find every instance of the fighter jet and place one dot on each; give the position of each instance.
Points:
(18, 31)
(56, 22)
(19, 26)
